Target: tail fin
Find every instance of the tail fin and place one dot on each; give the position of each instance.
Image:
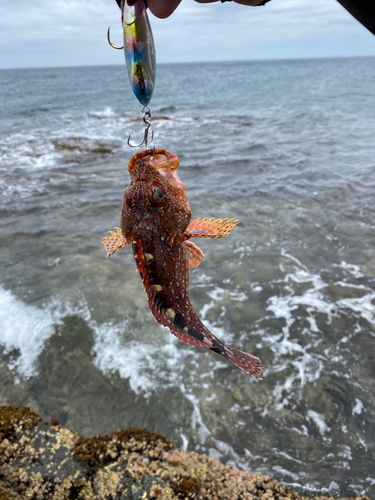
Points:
(247, 362)
(200, 336)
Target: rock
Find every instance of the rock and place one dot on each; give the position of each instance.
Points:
(40, 461)
(67, 382)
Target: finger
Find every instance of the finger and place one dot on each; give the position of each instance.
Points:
(250, 2)
(243, 2)
(163, 8)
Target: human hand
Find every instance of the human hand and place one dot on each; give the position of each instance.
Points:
(164, 8)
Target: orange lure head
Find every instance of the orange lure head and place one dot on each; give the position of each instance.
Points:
(155, 201)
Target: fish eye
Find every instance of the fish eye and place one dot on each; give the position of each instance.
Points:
(157, 197)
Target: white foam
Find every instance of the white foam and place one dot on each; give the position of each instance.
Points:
(358, 407)
(363, 306)
(362, 442)
(292, 459)
(107, 112)
(333, 486)
(294, 259)
(352, 268)
(27, 327)
(345, 452)
(185, 442)
(196, 418)
(221, 449)
(149, 366)
(285, 472)
(145, 365)
(216, 295)
(319, 421)
(23, 327)
(304, 363)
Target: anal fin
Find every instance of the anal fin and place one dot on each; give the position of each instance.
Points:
(194, 254)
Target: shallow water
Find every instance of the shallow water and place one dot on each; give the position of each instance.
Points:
(286, 147)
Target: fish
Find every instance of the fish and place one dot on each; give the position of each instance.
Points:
(156, 223)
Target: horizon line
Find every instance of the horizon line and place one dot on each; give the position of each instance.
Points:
(197, 62)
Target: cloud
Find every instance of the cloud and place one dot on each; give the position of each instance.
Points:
(282, 28)
(73, 32)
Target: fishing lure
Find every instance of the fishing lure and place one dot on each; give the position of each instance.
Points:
(140, 58)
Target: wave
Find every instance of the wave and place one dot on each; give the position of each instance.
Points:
(107, 112)
(306, 305)
(25, 328)
(299, 353)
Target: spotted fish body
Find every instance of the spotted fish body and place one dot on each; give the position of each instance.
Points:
(156, 222)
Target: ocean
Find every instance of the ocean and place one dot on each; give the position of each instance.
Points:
(286, 147)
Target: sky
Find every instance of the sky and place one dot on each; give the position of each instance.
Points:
(42, 33)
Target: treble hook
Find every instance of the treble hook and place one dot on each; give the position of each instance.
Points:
(110, 43)
(147, 121)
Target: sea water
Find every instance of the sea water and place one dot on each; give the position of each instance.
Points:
(288, 148)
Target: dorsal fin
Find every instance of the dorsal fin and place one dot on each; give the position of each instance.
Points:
(210, 228)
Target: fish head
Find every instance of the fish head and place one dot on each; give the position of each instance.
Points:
(155, 201)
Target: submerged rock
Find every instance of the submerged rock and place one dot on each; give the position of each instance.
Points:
(41, 461)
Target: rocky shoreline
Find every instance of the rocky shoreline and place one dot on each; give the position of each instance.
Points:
(40, 460)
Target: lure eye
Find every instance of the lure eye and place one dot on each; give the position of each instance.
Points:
(157, 197)
(131, 2)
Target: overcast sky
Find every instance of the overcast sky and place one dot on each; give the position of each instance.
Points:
(39, 33)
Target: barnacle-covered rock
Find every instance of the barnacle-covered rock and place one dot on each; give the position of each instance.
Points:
(40, 461)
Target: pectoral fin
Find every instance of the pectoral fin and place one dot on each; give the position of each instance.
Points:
(194, 254)
(114, 242)
(210, 228)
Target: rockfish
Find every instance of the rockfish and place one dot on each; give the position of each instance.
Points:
(155, 221)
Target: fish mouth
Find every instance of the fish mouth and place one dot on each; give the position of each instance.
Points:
(163, 162)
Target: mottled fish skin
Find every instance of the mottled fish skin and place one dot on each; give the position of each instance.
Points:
(155, 221)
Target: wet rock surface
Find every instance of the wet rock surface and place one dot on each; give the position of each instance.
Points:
(40, 460)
